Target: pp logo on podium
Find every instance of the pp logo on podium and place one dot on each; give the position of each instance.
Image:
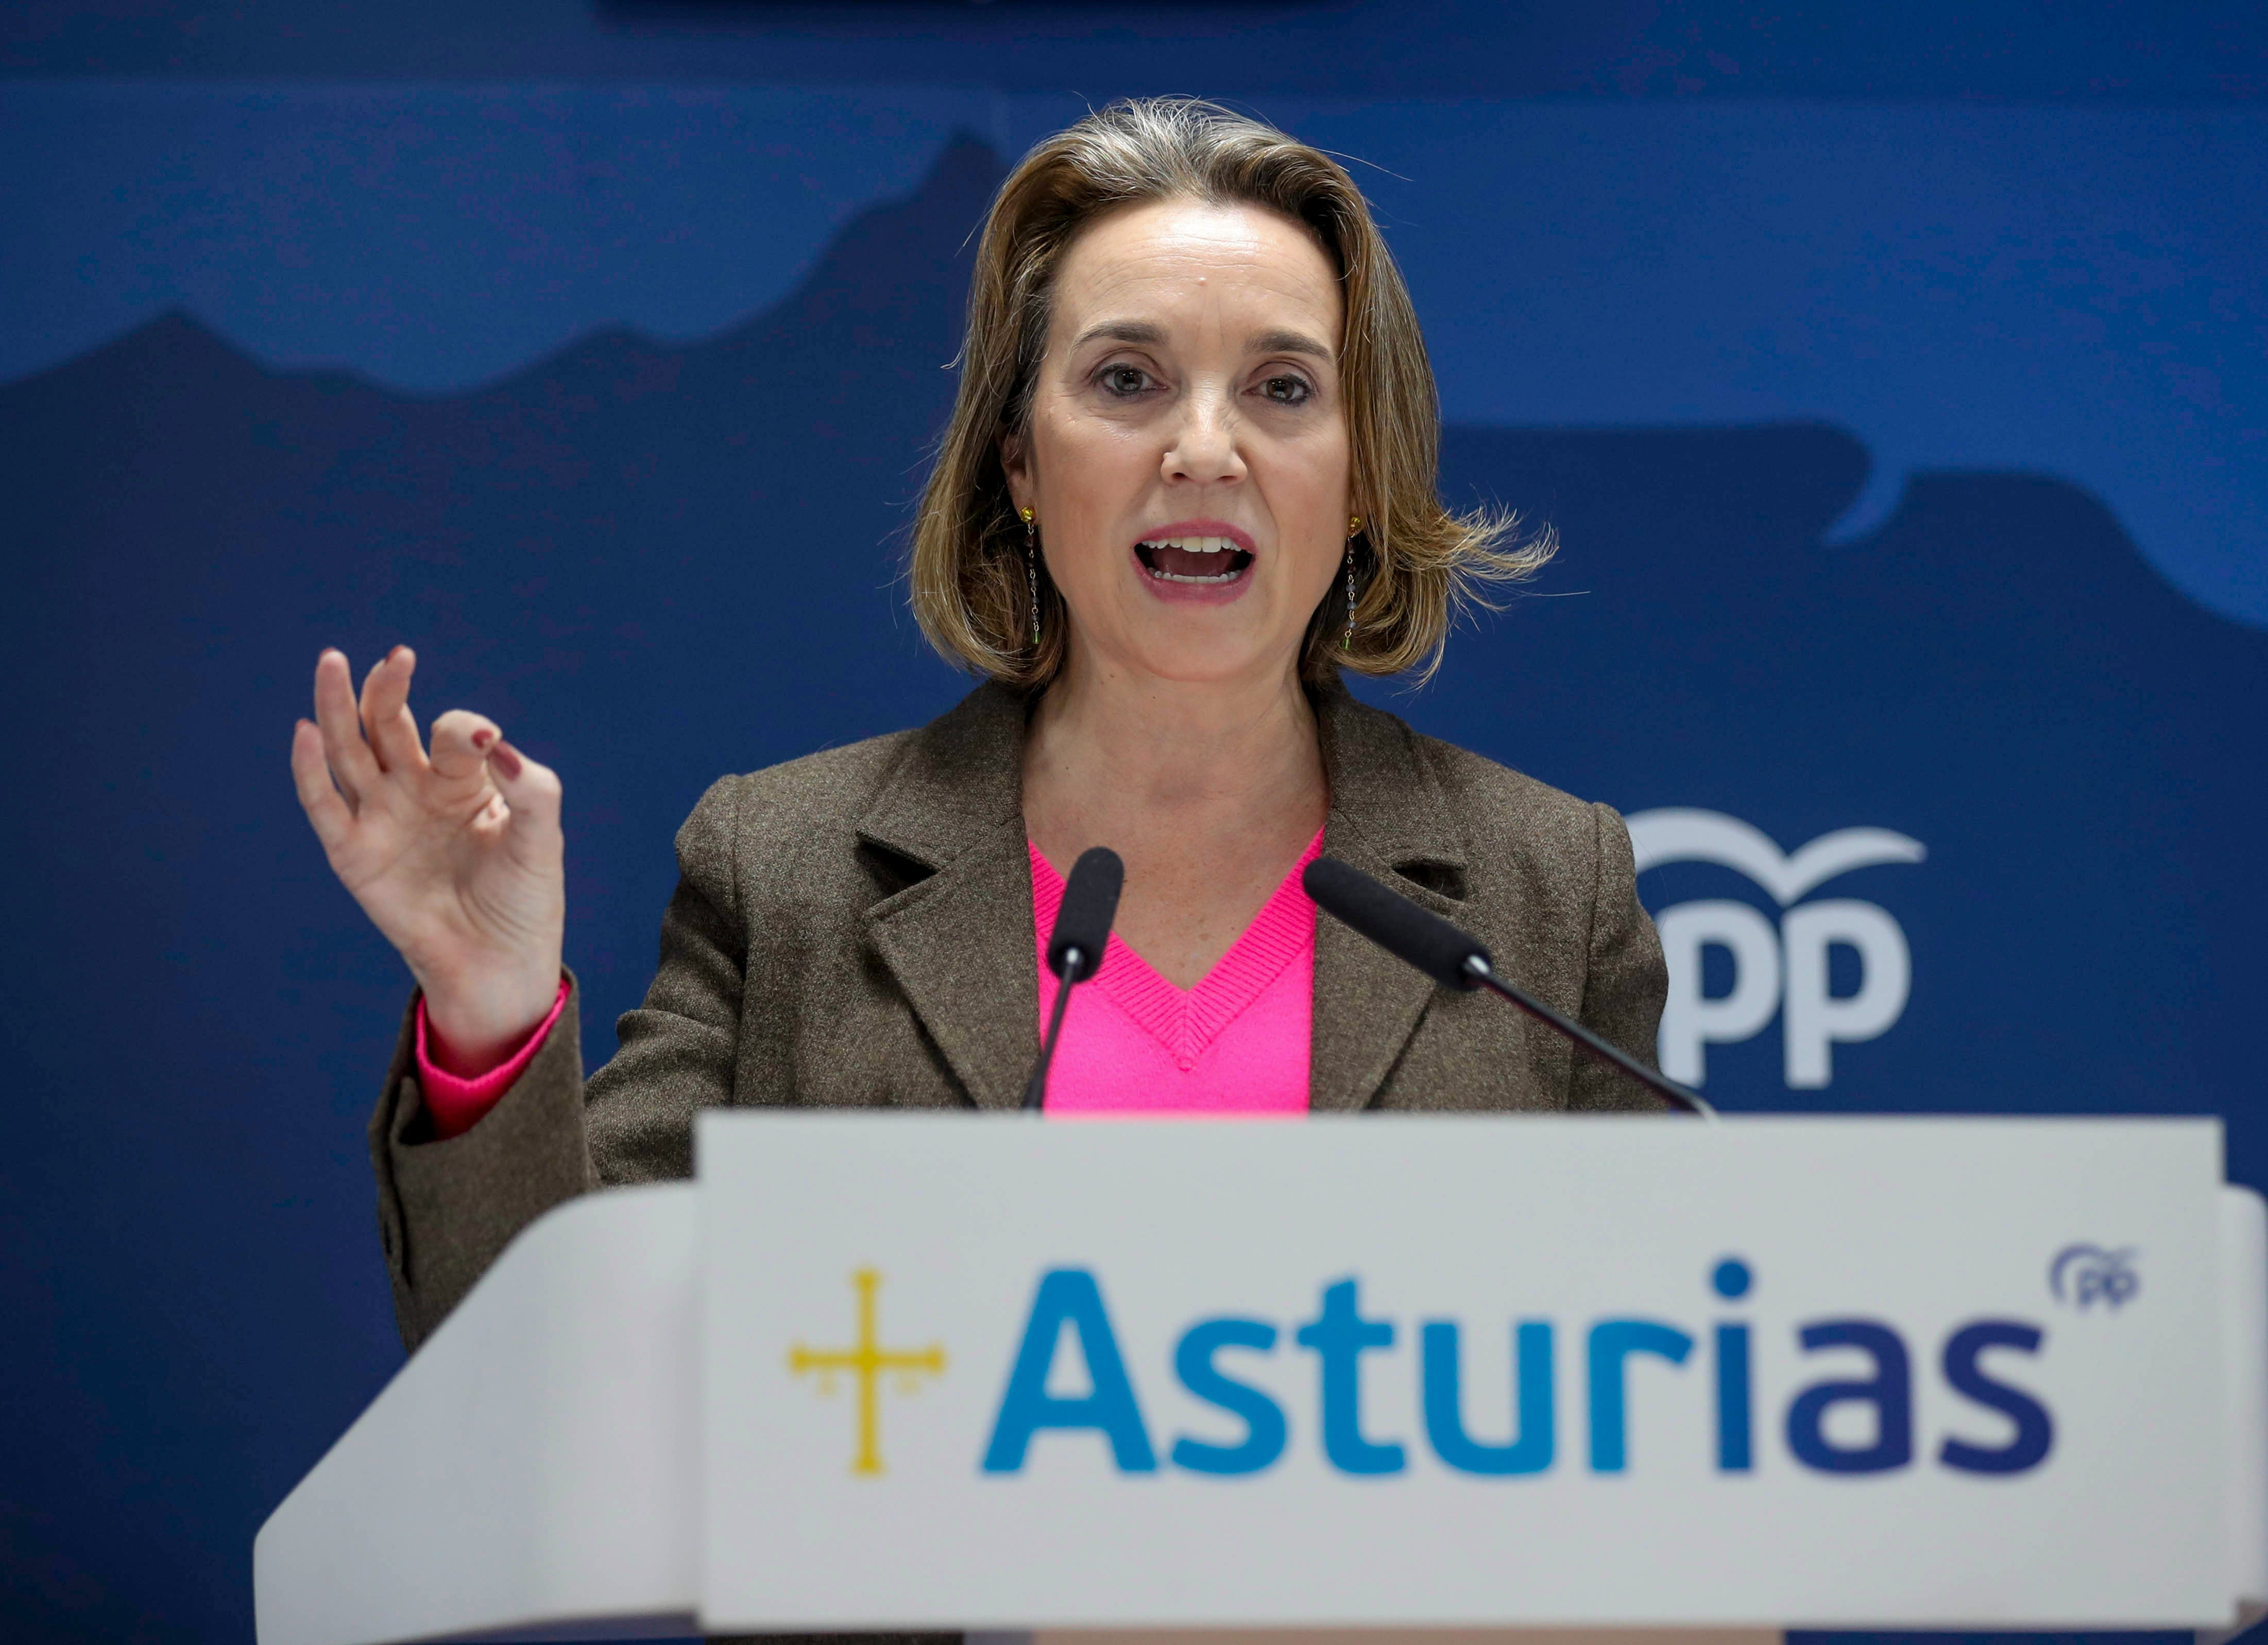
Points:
(2085, 1274)
(1782, 971)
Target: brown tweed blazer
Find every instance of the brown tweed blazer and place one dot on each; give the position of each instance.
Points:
(854, 930)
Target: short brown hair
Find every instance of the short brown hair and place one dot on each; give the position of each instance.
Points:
(1417, 561)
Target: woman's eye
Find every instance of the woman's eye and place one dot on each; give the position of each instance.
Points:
(1287, 390)
(1124, 379)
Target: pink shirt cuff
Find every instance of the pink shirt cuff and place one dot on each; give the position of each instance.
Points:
(457, 1104)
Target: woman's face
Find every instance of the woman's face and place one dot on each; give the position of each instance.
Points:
(1187, 447)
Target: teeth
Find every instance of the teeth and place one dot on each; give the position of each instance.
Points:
(1176, 576)
(1191, 544)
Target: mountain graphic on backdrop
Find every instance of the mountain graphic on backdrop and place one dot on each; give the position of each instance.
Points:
(670, 560)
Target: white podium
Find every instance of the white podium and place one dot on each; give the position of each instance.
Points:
(880, 1371)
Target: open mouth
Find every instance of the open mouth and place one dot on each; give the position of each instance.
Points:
(1213, 561)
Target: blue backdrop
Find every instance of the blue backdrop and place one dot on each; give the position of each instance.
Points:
(1898, 386)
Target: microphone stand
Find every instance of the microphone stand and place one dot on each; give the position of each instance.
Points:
(1417, 936)
(1483, 975)
(1035, 1089)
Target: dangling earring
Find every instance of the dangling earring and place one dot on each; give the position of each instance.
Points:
(1346, 640)
(1032, 567)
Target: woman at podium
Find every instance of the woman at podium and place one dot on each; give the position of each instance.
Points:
(1189, 479)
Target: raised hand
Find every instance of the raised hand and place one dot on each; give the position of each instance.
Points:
(456, 858)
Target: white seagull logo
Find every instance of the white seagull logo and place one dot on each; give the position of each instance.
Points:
(1679, 835)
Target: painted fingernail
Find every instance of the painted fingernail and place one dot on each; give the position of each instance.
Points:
(482, 738)
(505, 758)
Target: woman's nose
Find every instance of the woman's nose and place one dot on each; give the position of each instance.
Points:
(1203, 446)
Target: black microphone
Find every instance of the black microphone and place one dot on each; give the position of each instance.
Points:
(1455, 960)
(1082, 934)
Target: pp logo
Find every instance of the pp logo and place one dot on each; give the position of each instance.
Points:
(1782, 971)
(2084, 1276)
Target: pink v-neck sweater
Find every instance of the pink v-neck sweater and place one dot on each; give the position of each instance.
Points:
(1236, 1043)
(1132, 1042)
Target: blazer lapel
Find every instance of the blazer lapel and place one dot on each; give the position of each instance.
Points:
(1386, 816)
(960, 941)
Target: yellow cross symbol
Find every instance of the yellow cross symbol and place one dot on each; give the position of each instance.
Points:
(867, 1360)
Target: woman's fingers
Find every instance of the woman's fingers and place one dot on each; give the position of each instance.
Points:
(461, 741)
(386, 717)
(532, 790)
(349, 756)
(311, 774)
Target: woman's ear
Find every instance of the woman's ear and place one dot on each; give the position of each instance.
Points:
(1019, 474)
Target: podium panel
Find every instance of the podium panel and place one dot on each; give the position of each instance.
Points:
(1440, 1371)
(1592, 1381)
(534, 1471)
